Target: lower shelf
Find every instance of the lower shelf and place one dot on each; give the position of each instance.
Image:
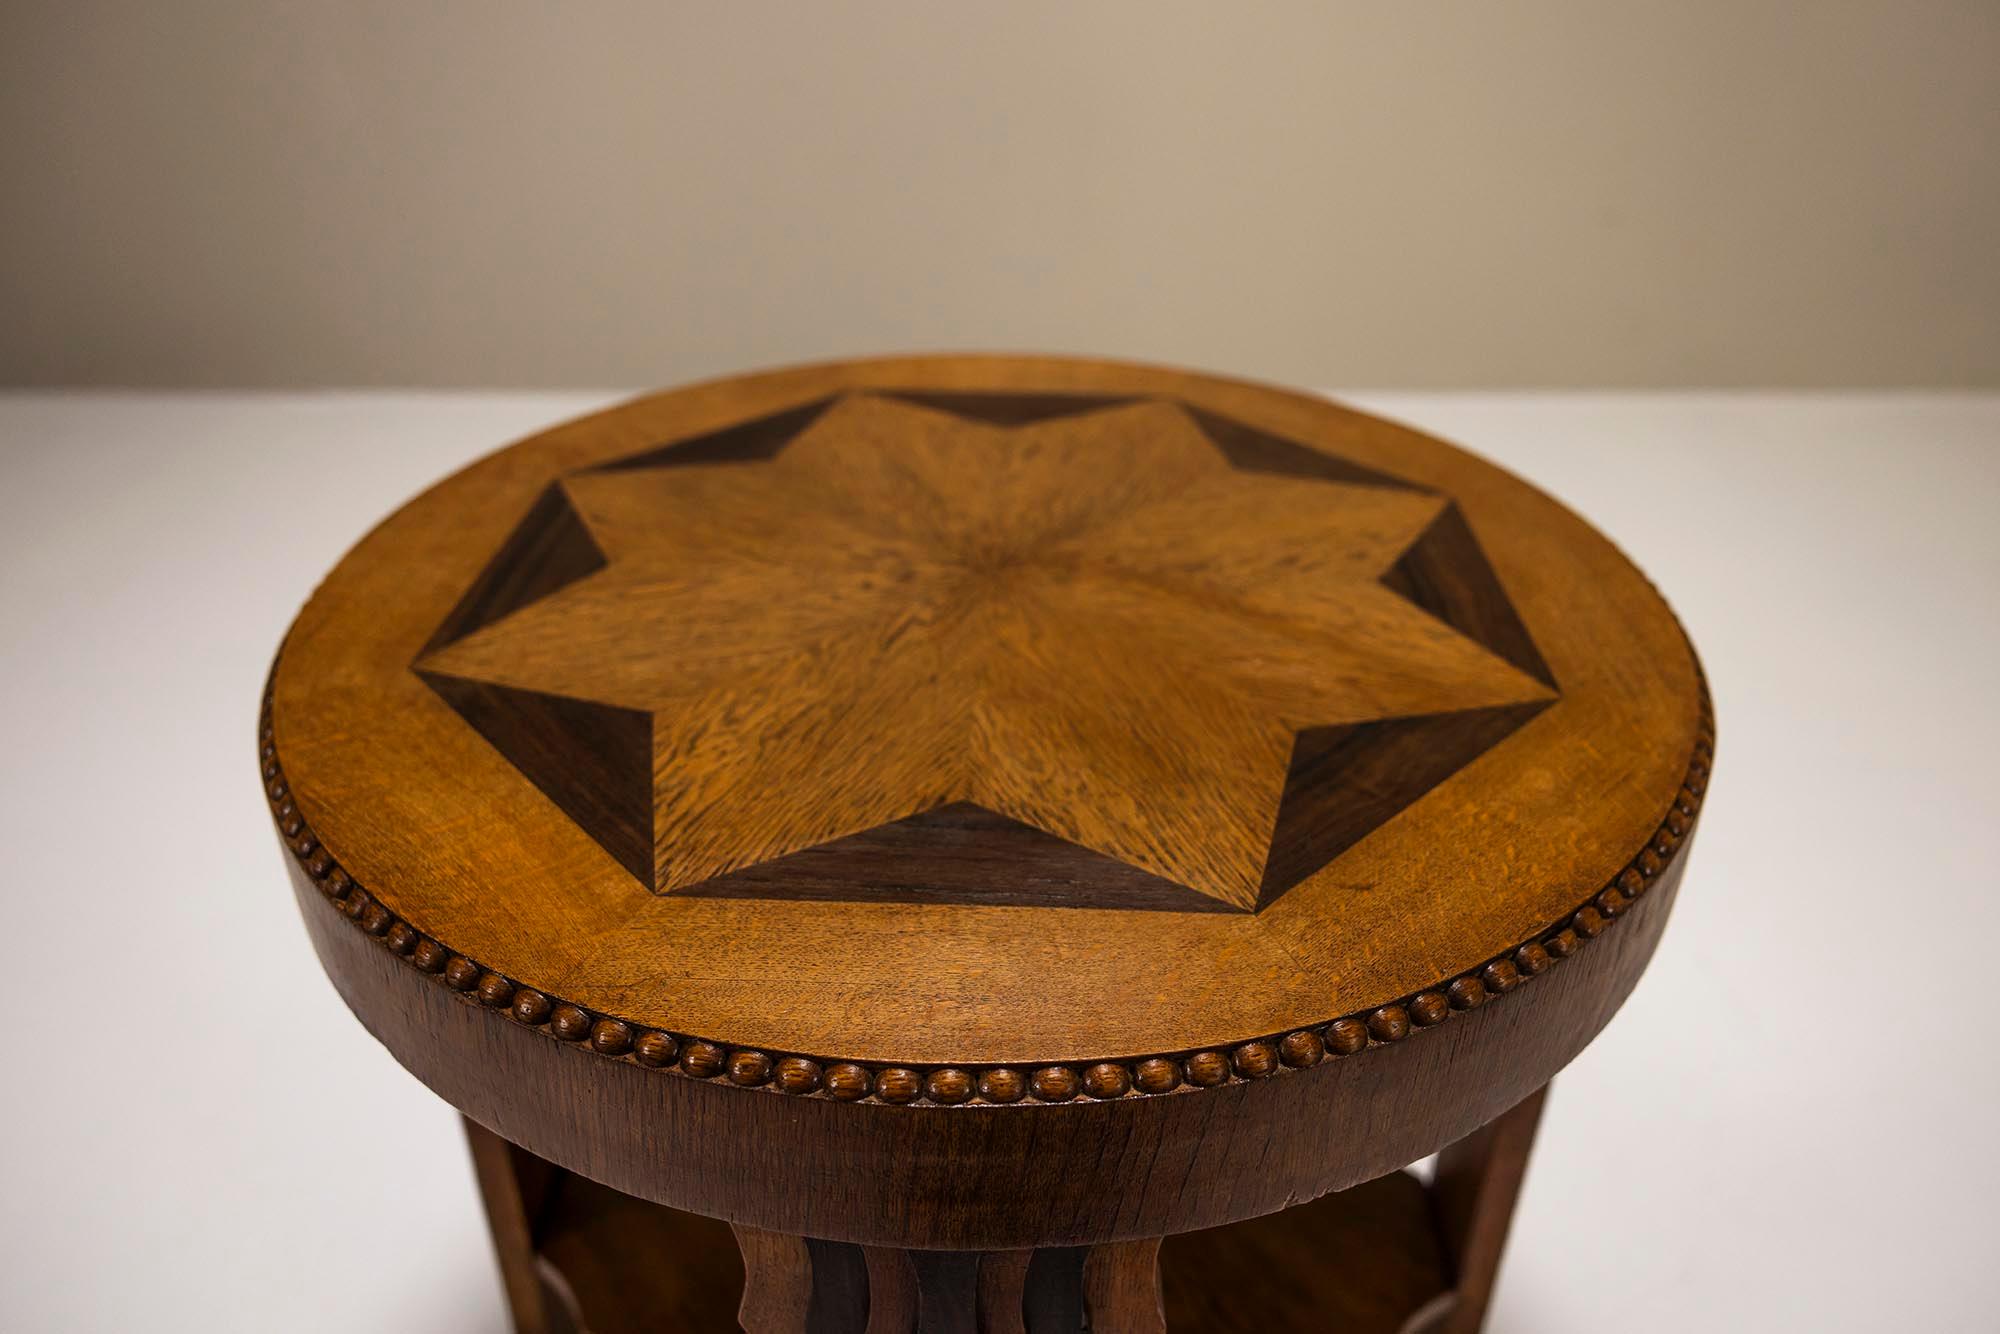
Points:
(1365, 1261)
(613, 1264)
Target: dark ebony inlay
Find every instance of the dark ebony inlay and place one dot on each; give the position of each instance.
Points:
(1446, 574)
(746, 442)
(963, 854)
(593, 760)
(1346, 782)
(547, 550)
(1009, 409)
(1253, 450)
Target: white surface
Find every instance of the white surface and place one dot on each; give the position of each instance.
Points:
(1789, 1126)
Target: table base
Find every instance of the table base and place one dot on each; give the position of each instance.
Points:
(1392, 1256)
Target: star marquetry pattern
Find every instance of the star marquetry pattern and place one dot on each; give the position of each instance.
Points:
(1037, 649)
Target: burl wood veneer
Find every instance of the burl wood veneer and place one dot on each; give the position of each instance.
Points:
(878, 846)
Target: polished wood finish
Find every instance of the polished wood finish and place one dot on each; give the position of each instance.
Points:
(1240, 1137)
(1111, 636)
(667, 694)
(961, 820)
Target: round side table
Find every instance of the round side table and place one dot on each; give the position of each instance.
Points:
(987, 844)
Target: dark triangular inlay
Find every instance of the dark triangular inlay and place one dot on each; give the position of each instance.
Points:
(1446, 574)
(1002, 409)
(1253, 450)
(968, 854)
(548, 549)
(754, 441)
(1346, 782)
(593, 760)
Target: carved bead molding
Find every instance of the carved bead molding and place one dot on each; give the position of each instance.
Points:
(800, 1075)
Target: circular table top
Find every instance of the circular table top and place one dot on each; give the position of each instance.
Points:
(969, 730)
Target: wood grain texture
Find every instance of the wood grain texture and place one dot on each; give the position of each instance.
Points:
(976, 1176)
(951, 1086)
(1345, 782)
(593, 760)
(1443, 572)
(958, 853)
(852, 664)
(551, 549)
(1108, 621)
(983, 805)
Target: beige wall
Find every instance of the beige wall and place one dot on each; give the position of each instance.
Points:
(1541, 192)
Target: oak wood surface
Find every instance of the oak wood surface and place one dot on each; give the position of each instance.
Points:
(1291, 711)
(984, 803)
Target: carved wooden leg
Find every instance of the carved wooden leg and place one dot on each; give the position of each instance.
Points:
(1003, 1282)
(1478, 1181)
(795, 1285)
(511, 1183)
(777, 1282)
(892, 1290)
(1121, 1288)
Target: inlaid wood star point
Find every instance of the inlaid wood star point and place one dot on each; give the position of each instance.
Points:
(1100, 628)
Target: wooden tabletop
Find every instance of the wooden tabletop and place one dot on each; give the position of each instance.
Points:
(987, 731)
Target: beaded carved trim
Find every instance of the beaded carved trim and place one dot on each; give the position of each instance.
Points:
(798, 1074)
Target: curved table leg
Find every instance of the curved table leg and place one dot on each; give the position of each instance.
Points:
(1121, 1288)
(793, 1285)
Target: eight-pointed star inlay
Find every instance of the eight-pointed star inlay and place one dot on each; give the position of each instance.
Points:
(991, 648)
